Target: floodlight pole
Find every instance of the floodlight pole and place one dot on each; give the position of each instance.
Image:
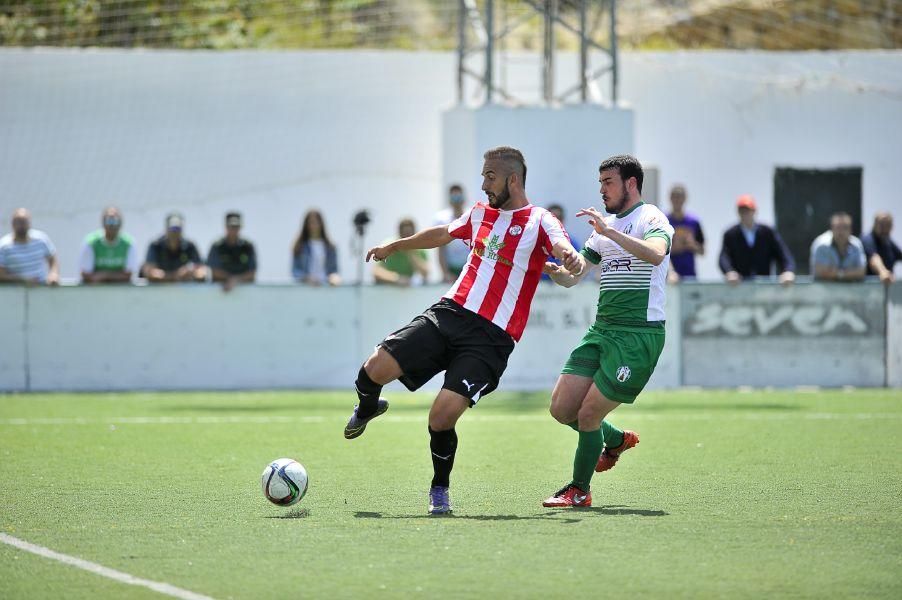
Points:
(614, 69)
(550, 14)
(461, 48)
(489, 50)
(583, 54)
(482, 26)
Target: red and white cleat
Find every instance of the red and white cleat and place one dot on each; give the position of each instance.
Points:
(569, 495)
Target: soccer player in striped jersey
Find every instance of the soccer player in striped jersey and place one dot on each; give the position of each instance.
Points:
(618, 354)
(472, 330)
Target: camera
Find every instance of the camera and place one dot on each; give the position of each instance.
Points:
(361, 220)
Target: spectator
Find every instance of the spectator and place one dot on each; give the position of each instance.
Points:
(173, 258)
(232, 259)
(315, 260)
(837, 255)
(688, 238)
(405, 267)
(108, 255)
(452, 258)
(27, 255)
(750, 249)
(558, 211)
(881, 251)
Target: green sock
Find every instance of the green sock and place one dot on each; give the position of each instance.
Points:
(613, 437)
(587, 452)
(574, 426)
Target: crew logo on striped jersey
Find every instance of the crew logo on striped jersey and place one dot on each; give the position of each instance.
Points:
(508, 249)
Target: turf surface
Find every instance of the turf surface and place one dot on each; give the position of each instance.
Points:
(729, 495)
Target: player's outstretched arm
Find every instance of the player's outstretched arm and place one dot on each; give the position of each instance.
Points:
(652, 250)
(571, 271)
(433, 237)
(562, 276)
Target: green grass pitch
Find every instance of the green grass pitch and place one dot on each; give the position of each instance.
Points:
(759, 494)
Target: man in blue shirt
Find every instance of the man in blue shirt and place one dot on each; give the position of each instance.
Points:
(837, 255)
(882, 252)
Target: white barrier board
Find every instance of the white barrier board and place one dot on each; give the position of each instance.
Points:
(13, 348)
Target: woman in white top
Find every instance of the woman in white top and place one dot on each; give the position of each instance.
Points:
(315, 260)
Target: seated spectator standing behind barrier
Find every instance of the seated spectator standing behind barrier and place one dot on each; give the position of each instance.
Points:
(108, 255)
(750, 249)
(232, 259)
(837, 255)
(404, 267)
(27, 255)
(315, 260)
(881, 251)
(452, 258)
(558, 211)
(688, 237)
(173, 258)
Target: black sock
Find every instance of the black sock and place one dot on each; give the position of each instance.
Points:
(367, 393)
(443, 445)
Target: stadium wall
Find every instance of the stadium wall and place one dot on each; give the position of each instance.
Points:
(894, 337)
(275, 133)
(284, 336)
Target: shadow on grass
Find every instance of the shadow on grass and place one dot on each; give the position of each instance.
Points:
(306, 408)
(294, 513)
(715, 406)
(573, 515)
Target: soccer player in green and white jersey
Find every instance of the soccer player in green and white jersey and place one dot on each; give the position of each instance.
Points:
(618, 354)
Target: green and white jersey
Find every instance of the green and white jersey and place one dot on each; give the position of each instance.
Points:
(98, 254)
(632, 290)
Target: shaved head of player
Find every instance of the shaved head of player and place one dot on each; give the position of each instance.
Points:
(504, 178)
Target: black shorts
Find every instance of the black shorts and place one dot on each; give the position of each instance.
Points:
(471, 350)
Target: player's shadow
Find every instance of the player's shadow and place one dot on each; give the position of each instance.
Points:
(718, 406)
(574, 515)
(295, 513)
(623, 510)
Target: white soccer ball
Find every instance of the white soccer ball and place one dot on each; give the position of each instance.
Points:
(284, 481)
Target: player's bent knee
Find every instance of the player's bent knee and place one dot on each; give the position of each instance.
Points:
(560, 414)
(381, 367)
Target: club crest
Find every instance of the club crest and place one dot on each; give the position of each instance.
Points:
(623, 373)
(515, 230)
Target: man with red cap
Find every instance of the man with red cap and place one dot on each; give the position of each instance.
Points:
(750, 249)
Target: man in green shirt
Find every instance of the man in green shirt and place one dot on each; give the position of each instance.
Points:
(108, 255)
(401, 267)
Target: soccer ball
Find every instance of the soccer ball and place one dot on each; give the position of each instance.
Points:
(284, 481)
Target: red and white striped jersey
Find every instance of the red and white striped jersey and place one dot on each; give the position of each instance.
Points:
(508, 249)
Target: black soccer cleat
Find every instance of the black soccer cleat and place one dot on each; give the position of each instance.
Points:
(356, 425)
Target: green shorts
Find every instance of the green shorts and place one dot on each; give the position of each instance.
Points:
(620, 362)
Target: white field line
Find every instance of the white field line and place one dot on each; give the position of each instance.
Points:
(417, 418)
(162, 588)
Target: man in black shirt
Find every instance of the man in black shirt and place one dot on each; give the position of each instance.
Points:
(173, 258)
(749, 248)
(232, 258)
(881, 251)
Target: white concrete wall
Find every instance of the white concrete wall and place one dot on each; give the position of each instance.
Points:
(767, 335)
(561, 147)
(275, 133)
(263, 336)
(894, 337)
(13, 345)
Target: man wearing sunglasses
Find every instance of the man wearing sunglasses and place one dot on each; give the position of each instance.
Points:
(108, 255)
